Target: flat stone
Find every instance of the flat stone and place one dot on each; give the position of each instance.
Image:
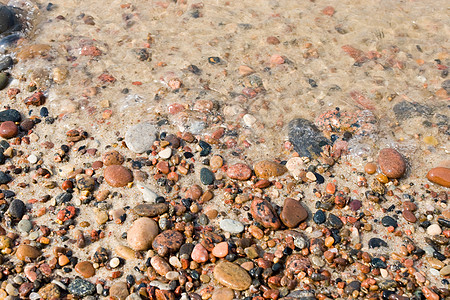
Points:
(142, 233)
(266, 169)
(199, 254)
(166, 153)
(306, 137)
(263, 212)
(220, 250)
(439, 175)
(387, 221)
(10, 115)
(232, 276)
(445, 270)
(140, 137)
(112, 157)
(8, 129)
(148, 194)
(405, 110)
(207, 176)
(231, 226)
(293, 213)
(85, 269)
(239, 171)
(117, 176)
(376, 243)
(151, 210)
(392, 163)
(4, 178)
(49, 291)
(168, 241)
(319, 217)
(223, 293)
(160, 265)
(24, 226)
(24, 251)
(81, 288)
(119, 290)
(85, 182)
(125, 252)
(409, 216)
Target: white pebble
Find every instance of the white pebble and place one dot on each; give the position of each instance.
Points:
(434, 229)
(149, 195)
(174, 261)
(434, 272)
(231, 226)
(32, 159)
(34, 296)
(139, 138)
(60, 284)
(114, 263)
(172, 275)
(165, 153)
(249, 120)
(384, 273)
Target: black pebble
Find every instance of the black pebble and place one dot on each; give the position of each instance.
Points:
(378, 263)
(17, 209)
(10, 115)
(376, 242)
(389, 221)
(6, 62)
(194, 69)
(206, 176)
(4, 178)
(319, 217)
(335, 222)
(206, 148)
(43, 112)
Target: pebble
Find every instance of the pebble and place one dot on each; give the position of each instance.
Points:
(17, 209)
(160, 265)
(6, 62)
(223, 293)
(117, 176)
(114, 263)
(142, 233)
(119, 290)
(392, 163)
(85, 182)
(239, 171)
(24, 251)
(389, 221)
(151, 210)
(50, 291)
(4, 178)
(370, 168)
(8, 129)
(334, 221)
(148, 194)
(263, 212)
(112, 157)
(125, 252)
(194, 192)
(376, 243)
(166, 153)
(199, 254)
(220, 250)
(409, 216)
(12, 115)
(168, 241)
(24, 226)
(295, 165)
(434, 229)
(306, 137)
(319, 217)
(140, 137)
(439, 175)
(216, 162)
(266, 169)
(293, 213)
(32, 159)
(206, 176)
(232, 276)
(81, 287)
(7, 18)
(85, 269)
(445, 270)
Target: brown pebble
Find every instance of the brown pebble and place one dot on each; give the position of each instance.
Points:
(194, 192)
(408, 205)
(150, 209)
(160, 265)
(392, 163)
(8, 129)
(370, 168)
(119, 290)
(167, 242)
(239, 171)
(263, 212)
(273, 40)
(141, 234)
(85, 269)
(440, 175)
(232, 276)
(163, 167)
(266, 169)
(117, 176)
(223, 293)
(293, 213)
(409, 216)
(97, 165)
(112, 158)
(24, 251)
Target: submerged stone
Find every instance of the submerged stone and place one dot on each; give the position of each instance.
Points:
(306, 137)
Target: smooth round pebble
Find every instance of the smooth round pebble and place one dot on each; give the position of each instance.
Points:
(117, 176)
(232, 276)
(8, 129)
(114, 263)
(392, 163)
(142, 233)
(434, 229)
(140, 137)
(231, 226)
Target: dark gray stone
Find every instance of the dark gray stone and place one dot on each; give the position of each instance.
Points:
(4, 178)
(206, 176)
(389, 221)
(319, 217)
(7, 19)
(17, 209)
(446, 85)
(405, 110)
(306, 137)
(376, 243)
(10, 115)
(6, 62)
(81, 288)
(335, 222)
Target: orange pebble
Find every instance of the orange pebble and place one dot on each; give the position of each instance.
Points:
(331, 188)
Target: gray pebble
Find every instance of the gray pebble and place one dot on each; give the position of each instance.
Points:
(231, 226)
(24, 226)
(140, 137)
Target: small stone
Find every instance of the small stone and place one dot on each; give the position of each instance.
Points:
(114, 263)
(232, 276)
(440, 175)
(319, 217)
(24, 226)
(5, 178)
(172, 275)
(392, 163)
(117, 176)
(139, 138)
(409, 216)
(376, 243)
(434, 229)
(194, 192)
(306, 137)
(112, 158)
(8, 129)
(125, 252)
(231, 226)
(293, 213)
(50, 291)
(263, 212)
(151, 210)
(160, 265)
(216, 162)
(12, 115)
(408, 205)
(85, 182)
(239, 171)
(142, 233)
(389, 221)
(166, 153)
(334, 221)
(119, 290)
(266, 169)
(370, 168)
(148, 195)
(220, 250)
(445, 270)
(199, 254)
(168, 241)
(223, 293)
(6, 62)
(26, 251)
(85, 269)
(206, 176)
(32, 159)
(17, 209)
(81, 287)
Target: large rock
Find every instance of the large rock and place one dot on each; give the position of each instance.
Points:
(306, 137)
(140, 137)
(142, 233)
(293, 213)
